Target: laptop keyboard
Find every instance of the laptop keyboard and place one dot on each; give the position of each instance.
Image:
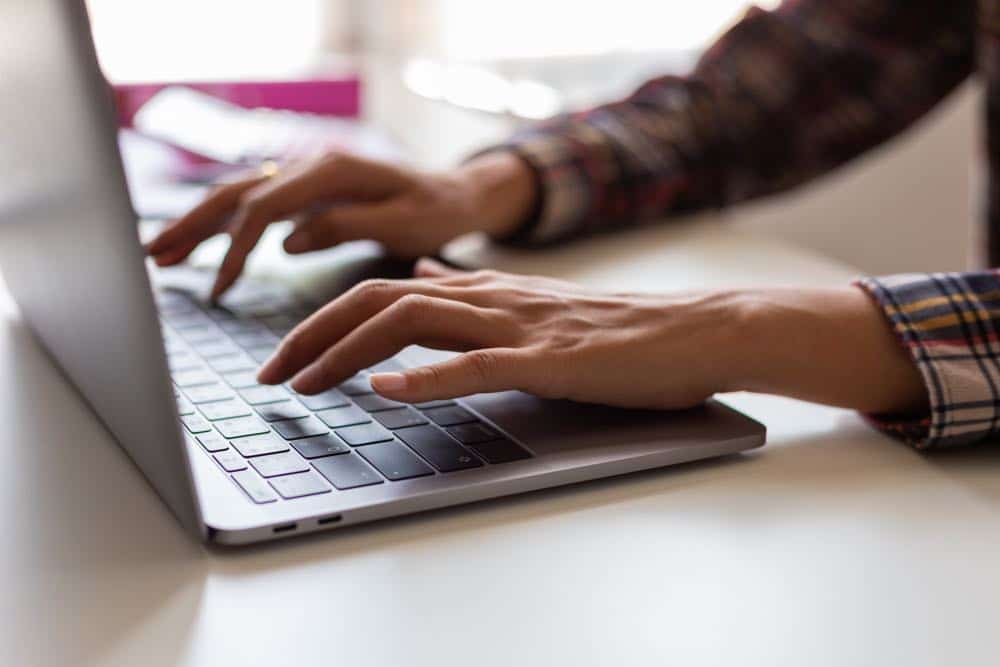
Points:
(276, 444)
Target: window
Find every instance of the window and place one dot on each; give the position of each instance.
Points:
(143, 40)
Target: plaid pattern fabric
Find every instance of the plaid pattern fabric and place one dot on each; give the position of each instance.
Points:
(949, 324)
(780, 99)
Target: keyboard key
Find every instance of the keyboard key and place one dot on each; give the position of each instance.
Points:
(470, 434)
(320, 445)
(300, 428)
(196, 424)
(201, 334)
(374, 403)
(387, 366)
(357, 385)
(434, 404)
(219, 315)
(258, 445)
(182, 361)
(284, 463)
(364, 434)
(230, 461)
(256, 338)
(215, 348)
(263, 394)
(400, 418)
(172, 302)
(208, 393)
(232, 363)
(192, 319)
(500, 451)
(450, 415)
(261, 353)
(213, 442)
(172, 345)
(241, 379)
(296, 486)
(280, 323)
(331, 398)
(184, 407)
(347, 472)
(224, 410)
(438, 448)
(193, 377)
(241, 427)
(395, 461)
(238, 326)
(254, 486)
(348, 416)
(273, 412)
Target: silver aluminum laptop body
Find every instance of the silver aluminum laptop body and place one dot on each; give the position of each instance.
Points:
(71, 257)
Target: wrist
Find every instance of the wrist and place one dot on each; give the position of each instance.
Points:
(501, 192)
(830, 346)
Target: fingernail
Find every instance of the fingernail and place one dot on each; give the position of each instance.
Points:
(388, 382)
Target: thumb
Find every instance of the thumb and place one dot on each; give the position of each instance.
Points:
(470, 373)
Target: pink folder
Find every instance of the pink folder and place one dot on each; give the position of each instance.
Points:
(330, 97)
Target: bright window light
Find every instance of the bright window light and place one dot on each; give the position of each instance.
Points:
(538, 28)
(144, 40)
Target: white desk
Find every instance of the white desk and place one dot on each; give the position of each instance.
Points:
(831, 546)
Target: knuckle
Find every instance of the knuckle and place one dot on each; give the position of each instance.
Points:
(428, 376)
(373, 288)
(413, 304)
(483, 364)
(486, 275)
(331, 157)
(332, 161)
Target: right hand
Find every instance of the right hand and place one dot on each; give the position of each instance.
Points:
(339, 197)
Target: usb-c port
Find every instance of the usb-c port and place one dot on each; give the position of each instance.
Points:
(328, 519)
(286, 528)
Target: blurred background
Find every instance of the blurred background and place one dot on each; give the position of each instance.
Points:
(444, 77)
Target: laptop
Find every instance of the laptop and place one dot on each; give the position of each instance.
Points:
(172, 377)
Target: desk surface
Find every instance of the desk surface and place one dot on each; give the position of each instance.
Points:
(830, 546)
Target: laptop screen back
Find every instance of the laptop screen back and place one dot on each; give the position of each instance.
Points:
(69, 247)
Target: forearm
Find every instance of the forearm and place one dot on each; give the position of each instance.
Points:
(775, 102)
(832, 346)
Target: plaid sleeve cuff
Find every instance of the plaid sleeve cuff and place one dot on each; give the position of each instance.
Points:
(616, 165)
(948, 323)
(568, 191)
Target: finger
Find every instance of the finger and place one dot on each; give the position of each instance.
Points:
(431, 268)
(351, 222)
(204, 220)
(338, 318)
(175, 255)
(479, 371)
(413, 320)
(246, 231)
(303, 186)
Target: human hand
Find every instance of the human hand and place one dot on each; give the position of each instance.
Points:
(558, 340)
(338, 197)
(547, 337)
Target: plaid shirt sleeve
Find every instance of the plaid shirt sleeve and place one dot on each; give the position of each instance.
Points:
(949, 324)
(781, 98)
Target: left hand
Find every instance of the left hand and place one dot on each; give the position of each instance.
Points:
(546, 337)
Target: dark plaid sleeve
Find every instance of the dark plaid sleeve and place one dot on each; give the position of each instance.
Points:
(949, 324)
(781, 98)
